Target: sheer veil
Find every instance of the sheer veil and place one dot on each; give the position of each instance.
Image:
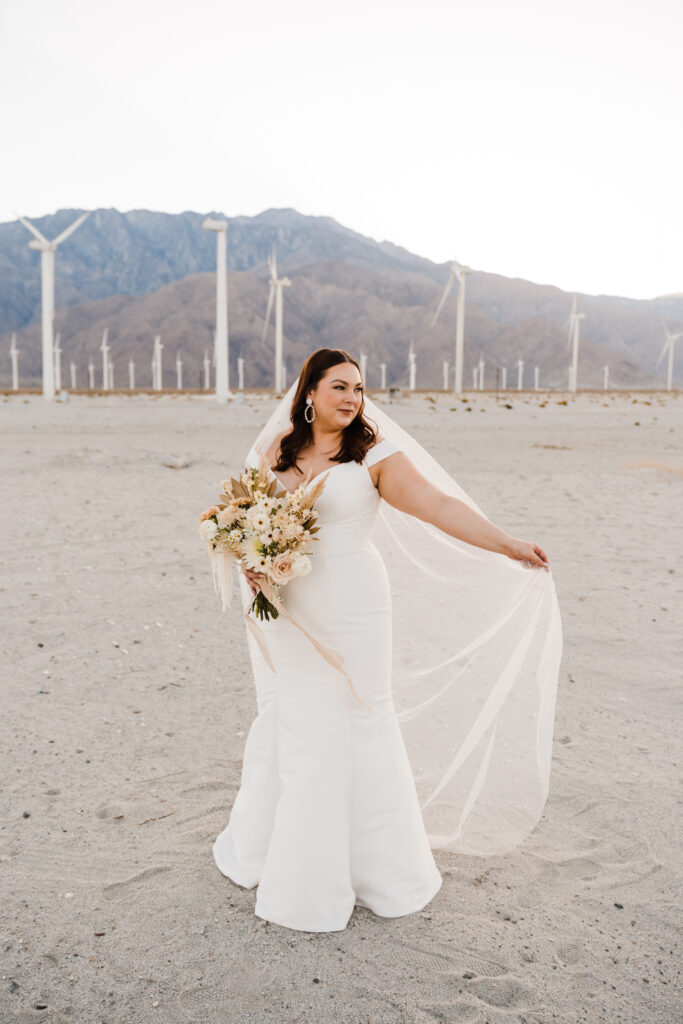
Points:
(477, 644)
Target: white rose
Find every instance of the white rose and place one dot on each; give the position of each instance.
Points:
(208, 529)
(302, 565)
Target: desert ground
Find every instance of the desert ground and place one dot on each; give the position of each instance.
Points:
(127, 696)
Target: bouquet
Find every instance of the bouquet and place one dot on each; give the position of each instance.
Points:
(265, 527)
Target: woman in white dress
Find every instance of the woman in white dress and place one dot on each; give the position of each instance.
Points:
(328, 815)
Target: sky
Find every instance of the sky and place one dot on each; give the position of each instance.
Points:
(530, 138)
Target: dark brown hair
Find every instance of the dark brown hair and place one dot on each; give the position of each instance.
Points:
(357, 437)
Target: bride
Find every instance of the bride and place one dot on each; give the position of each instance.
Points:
(452, 638)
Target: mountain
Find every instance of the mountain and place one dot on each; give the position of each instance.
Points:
(143, 273)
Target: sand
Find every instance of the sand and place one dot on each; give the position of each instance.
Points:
(127, 697)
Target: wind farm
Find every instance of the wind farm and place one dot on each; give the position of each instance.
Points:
(428, 345)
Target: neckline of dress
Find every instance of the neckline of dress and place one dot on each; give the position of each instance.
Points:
(337, 465)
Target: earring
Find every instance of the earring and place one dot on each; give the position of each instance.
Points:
(311, 407)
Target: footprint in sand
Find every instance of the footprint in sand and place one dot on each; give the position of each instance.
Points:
(131, 886)
(569, 953)
(505, 993)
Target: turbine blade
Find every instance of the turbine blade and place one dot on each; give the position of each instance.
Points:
(449, 285)
(70, 230)
(664, 351)
(271, 293)
(34, 231)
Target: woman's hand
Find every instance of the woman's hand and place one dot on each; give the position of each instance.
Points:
(253, 578)
(525, 551)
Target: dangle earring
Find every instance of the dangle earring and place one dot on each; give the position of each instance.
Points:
(309, 407)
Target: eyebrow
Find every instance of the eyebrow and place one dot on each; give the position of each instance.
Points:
(340, 381)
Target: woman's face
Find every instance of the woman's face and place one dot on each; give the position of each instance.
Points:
(338, 396)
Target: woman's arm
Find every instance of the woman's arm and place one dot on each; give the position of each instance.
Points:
(402, 485)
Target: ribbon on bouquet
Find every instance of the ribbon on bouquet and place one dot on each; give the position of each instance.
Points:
(333, 658)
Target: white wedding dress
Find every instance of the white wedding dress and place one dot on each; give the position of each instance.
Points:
(327, 816)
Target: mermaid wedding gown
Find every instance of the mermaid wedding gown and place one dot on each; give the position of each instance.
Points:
(327, 815)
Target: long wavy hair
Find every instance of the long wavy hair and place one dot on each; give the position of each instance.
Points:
(358, 435)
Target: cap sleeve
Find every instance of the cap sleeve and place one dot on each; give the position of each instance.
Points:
(380, 451)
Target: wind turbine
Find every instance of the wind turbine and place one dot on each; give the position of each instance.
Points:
(179, 371)
(221, 338)
(14, 354)
(505, 378)
(520, 371)
(573, 324)
(458, 273)
(73, 375)
(411, 368)
(363, 367)
(131, 374)
(481, 372)
(383, 376)
(47, 271)
(445, 375)
(605, 377)
(240, 372)
(104, 349)
(536, 371)
(58, 364)
(207, 371)
(669, 346)
(156, 364)
(276, 286)
(91, 374)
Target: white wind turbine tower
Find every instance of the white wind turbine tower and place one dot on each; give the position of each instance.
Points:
(363, 366)
(535, 378)
(240, 372)
(104, 349)
(47, 270)
(179, 371)
(91, 374)
(73, 375)
(207, 371)
(520, 370)
(605, 377)
(573, 324)
(111, 375)
(458, 273)
(669, 346)
(276, 286)
(58, 364)
(481, 372)
(157, 376)
(505, 378)
(411, 368)
(221, 336)
(14, 355)
(383, 376)
(445, 375)
(131, 374)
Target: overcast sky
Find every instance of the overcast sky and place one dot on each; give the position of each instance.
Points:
(531, 138)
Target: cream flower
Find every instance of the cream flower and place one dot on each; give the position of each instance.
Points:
(251, 552)
(258, 518)
(302, 564)
(208, 529)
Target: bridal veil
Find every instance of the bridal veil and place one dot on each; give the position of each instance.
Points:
(477, 644)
